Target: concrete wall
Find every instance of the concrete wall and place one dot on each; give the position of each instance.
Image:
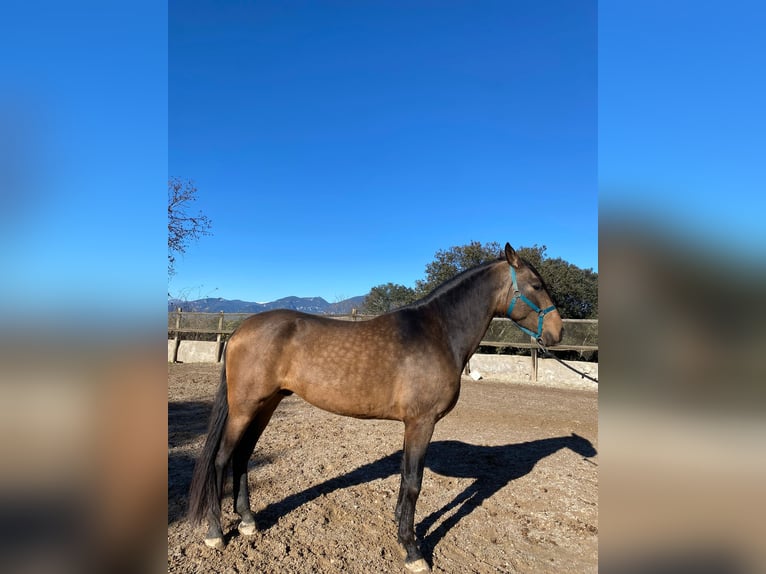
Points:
(193, 351)
(494, 367)
(517, 369)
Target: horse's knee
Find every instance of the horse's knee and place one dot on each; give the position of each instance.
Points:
(411, 488)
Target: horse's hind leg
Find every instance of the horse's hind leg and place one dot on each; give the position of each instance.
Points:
(235, 427)
(239, 461)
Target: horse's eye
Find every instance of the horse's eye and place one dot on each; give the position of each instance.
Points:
(537, 286)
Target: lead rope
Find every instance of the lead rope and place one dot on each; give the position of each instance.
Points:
(547, 353)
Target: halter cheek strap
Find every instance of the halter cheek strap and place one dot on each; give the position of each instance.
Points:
(541, 313)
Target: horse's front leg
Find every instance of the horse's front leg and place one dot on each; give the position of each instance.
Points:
(417, 435)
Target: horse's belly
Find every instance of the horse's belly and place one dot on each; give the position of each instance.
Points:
(345, 393)
(349, 402)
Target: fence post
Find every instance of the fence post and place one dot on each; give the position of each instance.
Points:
(534, 362)
(177, 338)
(218, 339)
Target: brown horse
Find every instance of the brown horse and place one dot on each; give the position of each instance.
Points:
(404, 365)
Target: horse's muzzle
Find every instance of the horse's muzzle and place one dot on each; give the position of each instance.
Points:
(550, 338)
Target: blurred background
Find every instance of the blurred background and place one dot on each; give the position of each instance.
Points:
(681, 402)
(83, 412)
(682, 253)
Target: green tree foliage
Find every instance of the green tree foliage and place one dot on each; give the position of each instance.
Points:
(450, 262)
(574, 290)
(385, 298)
(183, 226)
(534, 255)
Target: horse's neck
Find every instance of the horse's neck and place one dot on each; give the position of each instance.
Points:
(466, 312)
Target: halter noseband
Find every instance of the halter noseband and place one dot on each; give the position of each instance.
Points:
(541, 313)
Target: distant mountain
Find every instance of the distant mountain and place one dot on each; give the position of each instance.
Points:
(315, 305)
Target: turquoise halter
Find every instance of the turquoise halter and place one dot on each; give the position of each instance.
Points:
(541, 313)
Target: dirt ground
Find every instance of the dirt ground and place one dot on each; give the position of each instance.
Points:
(507, 487)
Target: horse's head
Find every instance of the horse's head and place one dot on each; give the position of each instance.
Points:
(528, 303)
(581, 445)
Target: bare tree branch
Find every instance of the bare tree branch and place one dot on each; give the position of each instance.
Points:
(183, 226)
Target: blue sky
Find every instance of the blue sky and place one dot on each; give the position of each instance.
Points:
(682, 123)
(339, 145)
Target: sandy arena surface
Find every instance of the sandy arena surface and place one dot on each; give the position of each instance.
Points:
(507, 488)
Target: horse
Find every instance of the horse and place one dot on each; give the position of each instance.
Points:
(404, 365)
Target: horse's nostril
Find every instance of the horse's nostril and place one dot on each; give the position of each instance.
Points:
(549, 339)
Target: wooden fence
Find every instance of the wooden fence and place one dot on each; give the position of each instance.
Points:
(580, 335)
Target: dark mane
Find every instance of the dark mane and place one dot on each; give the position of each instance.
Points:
(450, 284)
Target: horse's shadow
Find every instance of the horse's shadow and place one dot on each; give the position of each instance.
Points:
(490, 467)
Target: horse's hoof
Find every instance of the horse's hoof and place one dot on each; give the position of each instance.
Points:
(216, 543)
(417, 566)
(247, 528)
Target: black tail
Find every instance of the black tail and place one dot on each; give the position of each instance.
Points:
(204, 492)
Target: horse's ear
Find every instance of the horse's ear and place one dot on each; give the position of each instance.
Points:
(512, 257)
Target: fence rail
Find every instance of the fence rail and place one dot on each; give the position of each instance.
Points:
(580, 335)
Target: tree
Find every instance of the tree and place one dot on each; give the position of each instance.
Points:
(574, 290)
(456, 259)
(384, 298)
(534, 255)
(182, 227)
